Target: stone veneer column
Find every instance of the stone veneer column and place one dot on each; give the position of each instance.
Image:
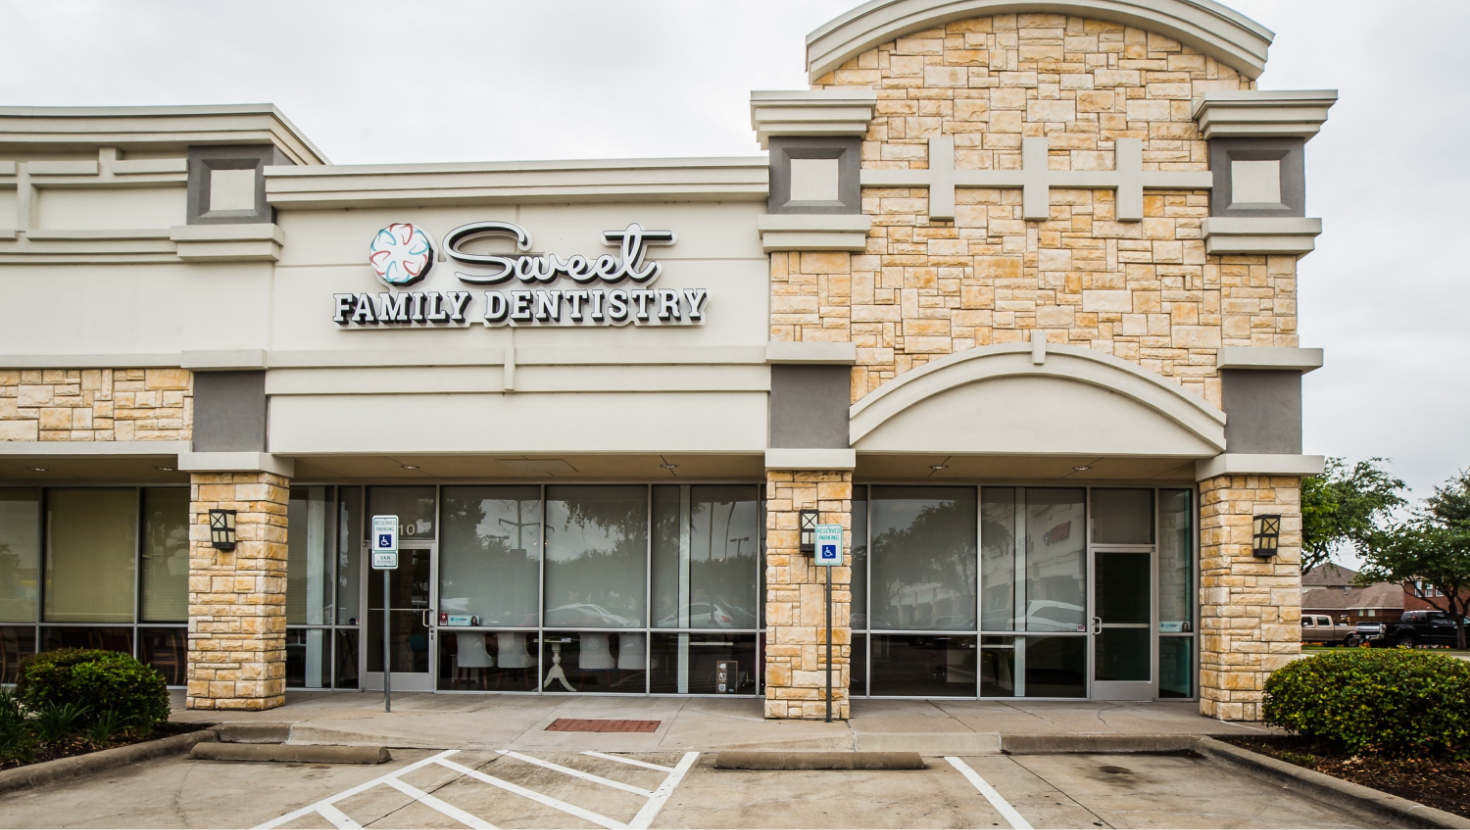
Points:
(796, 622)
(237, 599)
(1250, 609)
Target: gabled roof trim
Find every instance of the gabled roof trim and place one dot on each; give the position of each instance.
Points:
(1073, 363)
(1217, 31)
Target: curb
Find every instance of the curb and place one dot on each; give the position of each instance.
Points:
(1054, 744)
(819, 760)
(48, 772)
(254, 733)
(291, 754)
(1400, 812)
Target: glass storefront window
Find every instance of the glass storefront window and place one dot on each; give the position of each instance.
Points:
(1056, 560)
(596, 556)
(1056, 666)
(344, 663)
(109, 638)
(998, 666)
(165, 555)
(590, 662)
(923, 559)
(1176, 561)
(694, 663)
(1122, 517)
(20, 525)
(492, 661)
(414, 507)
(705, 548)
(1176, 667)
(16, 644)
(349, 555)
(490, 555)
(998, 559)
(859, 559)
(165, 649)
(91, 555)
(309, 546)
(914, 665)
(308, 658)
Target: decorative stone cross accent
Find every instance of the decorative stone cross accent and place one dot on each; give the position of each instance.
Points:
(1036, 178)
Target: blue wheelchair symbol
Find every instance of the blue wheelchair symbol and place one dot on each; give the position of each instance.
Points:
(385, 541)
(829, 551)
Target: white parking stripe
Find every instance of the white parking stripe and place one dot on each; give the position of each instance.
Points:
(650, 810)
(576, 773)
(467, 819)
(555, 804)
(632, 761)
(1000, 804)
(338, 818)
(327, 802)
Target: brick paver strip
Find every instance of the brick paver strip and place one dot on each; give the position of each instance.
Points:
(576, 725)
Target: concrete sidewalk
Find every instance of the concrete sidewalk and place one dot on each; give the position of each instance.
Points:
(930, 727)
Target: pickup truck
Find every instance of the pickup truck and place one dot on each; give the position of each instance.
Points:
(1415, 628)
(1319, 628)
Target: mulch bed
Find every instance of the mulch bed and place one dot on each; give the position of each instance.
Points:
(75, 746)
(575, 725)
(1443, 785)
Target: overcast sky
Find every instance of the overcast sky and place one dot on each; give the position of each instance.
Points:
(373, 82)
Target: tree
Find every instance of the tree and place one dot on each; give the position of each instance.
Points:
(1433, 548)
(1343, 505)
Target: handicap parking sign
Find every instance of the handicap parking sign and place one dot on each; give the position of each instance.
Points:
(385, 542)
(829, 545)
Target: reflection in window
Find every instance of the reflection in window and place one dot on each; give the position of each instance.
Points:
(1050, 559)
(1056, 561)
(19, 553)
(923, 558)
(490, 555)
(166, 555)
(1176, 561)
(414, 507)
(309, 547)
(705, 547)
(859, 560)
(596, 555)
(349, 555)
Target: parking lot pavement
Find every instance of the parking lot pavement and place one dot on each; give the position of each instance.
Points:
(509, 789)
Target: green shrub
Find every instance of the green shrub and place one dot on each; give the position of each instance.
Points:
(100, 681)
(1391, 702)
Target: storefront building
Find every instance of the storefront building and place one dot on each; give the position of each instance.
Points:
(1011, 297)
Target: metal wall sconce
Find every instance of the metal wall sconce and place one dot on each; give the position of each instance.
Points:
(222, 529)
(809, 531)
(1265, 536)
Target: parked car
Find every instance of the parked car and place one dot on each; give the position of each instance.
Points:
(1319, 628)
(1415, 628)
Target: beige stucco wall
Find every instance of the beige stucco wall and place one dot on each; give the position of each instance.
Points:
(1143, 291)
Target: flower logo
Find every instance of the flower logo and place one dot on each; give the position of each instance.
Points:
(401, 254)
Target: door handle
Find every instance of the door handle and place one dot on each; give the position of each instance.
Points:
(1097, 625)
(425, 616)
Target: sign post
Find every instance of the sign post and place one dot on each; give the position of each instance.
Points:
(385, 559)
(829, 555)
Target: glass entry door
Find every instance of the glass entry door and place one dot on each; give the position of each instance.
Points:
(411, 617)
(1122, 624)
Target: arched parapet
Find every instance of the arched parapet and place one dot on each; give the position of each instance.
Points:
(1035, 399)
(1226, 35)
